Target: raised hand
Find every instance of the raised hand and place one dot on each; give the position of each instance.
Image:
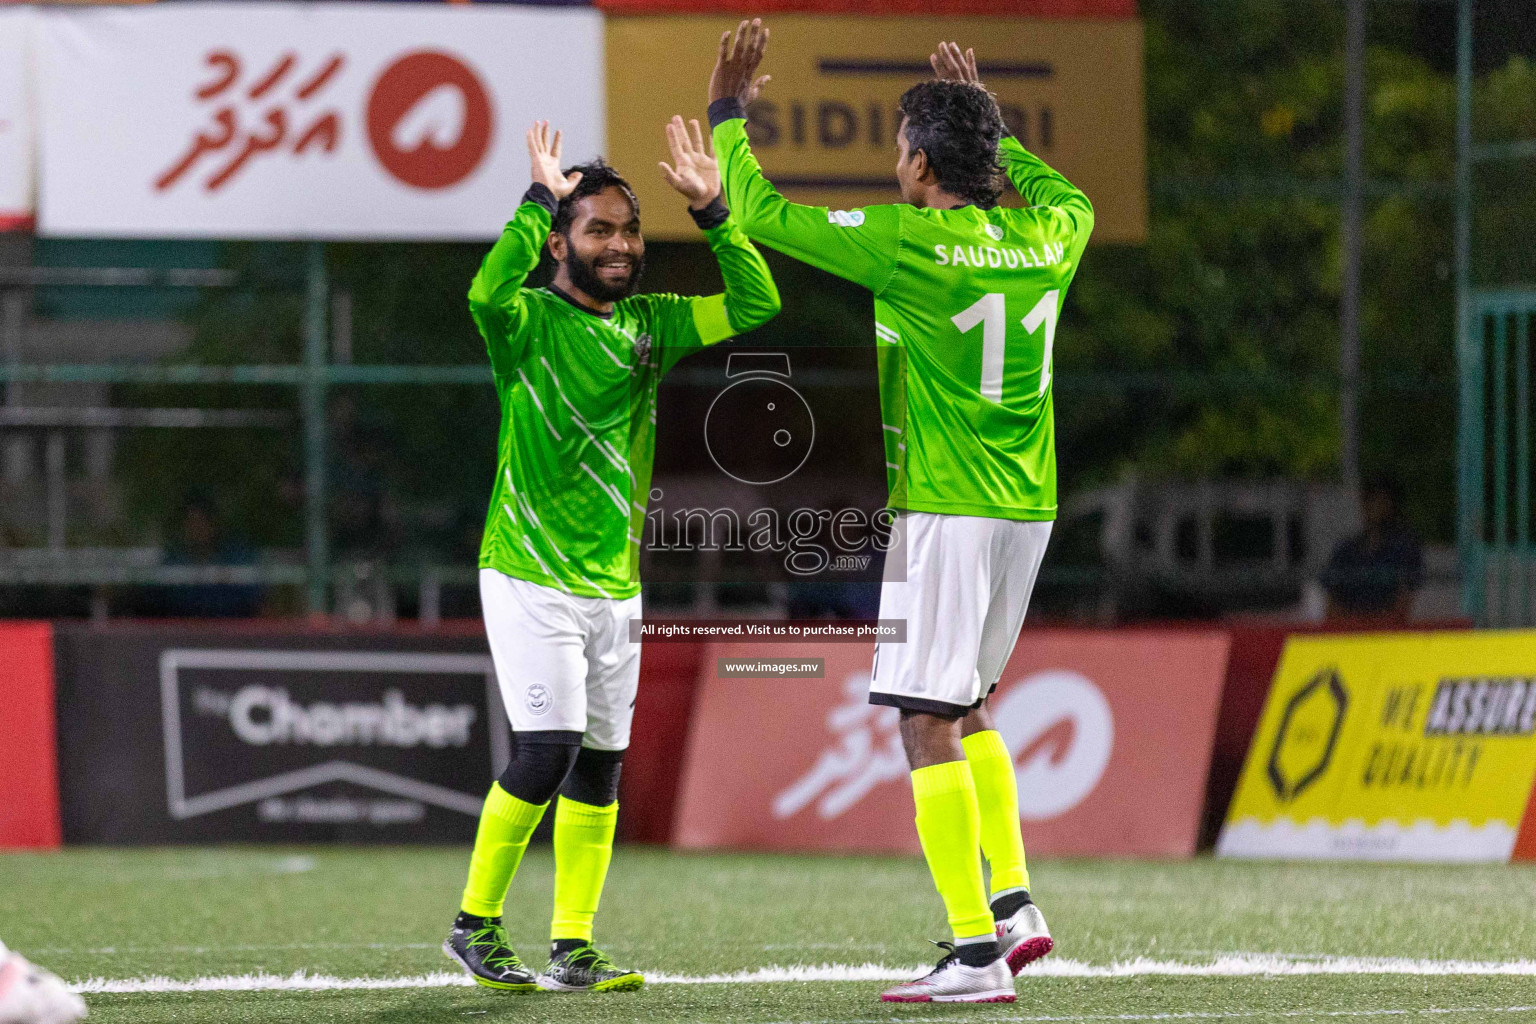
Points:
(737, 62)
(693, 170)
(545, 155)
(949, 64)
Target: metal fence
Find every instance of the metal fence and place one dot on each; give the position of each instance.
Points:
(1495, 485)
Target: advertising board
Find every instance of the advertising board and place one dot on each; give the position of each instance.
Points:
(824, 128)
(1110, 734)
(336, 120)
(1391, 747)
(183, 734)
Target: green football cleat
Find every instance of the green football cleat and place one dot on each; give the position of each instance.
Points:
(586, 969)
(486, 954)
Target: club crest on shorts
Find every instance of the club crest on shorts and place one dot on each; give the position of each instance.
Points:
(537, 699)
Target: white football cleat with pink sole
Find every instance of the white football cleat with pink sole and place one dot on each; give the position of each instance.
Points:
(954, 982)
(1024, 937)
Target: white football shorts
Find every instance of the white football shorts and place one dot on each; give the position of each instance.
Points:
(966, 588)
(566, 668)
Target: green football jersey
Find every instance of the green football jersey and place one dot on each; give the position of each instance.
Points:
(966, 303)
(578, 404)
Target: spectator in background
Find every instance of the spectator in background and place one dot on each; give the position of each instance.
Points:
(1376, 573)
(200, 541)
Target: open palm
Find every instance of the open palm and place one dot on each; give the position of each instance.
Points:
(544, 154)
(950, 64)
(693, 170)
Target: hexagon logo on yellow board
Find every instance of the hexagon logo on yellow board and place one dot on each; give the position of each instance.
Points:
(1409, 746)
(1309, 731)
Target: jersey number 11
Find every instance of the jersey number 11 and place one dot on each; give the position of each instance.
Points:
(989, 311)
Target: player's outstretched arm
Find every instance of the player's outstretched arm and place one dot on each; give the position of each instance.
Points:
(1038, 183)
(860, 245)
(751, 299)
(495, 295)
(1041, 185)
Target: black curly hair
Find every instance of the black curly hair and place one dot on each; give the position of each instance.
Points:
(958, 125)
(596, 175)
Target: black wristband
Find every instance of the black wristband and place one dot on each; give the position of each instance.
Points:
(712, 216)
(726, 108)
(540, 193)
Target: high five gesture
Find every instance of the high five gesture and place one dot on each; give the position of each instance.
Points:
(693, 170)
(737, 62)
(950, 65)
(544, 152)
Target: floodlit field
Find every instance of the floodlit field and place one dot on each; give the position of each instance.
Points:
(166, 934)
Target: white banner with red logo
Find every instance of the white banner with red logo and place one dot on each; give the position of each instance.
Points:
(337, 120)
(15, 120)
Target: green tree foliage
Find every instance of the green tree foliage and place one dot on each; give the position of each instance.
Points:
(1224, 325)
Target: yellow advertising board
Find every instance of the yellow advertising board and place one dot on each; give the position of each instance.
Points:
(1391, 747)
(824, 128)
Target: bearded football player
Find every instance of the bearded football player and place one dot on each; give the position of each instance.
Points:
(966, 296)
(576, 365)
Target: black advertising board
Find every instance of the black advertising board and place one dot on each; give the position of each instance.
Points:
(196, 734)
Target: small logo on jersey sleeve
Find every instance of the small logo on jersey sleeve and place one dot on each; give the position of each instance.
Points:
(845, 218)
(994, 231)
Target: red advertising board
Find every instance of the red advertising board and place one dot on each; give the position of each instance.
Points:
(1110, 732)
(1525, 841)
(669, 677)
(29, 776)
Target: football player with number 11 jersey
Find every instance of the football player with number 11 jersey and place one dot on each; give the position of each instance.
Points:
(967, 295)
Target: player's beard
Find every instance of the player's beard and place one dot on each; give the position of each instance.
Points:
(583, 274)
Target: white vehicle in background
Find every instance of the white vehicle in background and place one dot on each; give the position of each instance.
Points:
(31, 995)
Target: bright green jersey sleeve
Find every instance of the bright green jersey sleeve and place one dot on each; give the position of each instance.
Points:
(966, 305)
(578, 404)
(814, 234)
(750, 298)
(1048, 193)
(496, 295)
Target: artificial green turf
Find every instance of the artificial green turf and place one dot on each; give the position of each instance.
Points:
(192, 912)
(1246, 1000)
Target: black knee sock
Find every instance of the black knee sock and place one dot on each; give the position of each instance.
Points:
(594, 778)
(537, 769)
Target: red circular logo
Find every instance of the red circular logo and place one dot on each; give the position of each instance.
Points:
(429, 119)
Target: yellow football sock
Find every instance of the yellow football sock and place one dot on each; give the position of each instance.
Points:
(949, 827)
(997, 798)
(583, 848)
(505, 825)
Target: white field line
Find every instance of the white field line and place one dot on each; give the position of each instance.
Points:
(1233, 966)
(994, 1018)
(1237, 965)
(38, 951)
